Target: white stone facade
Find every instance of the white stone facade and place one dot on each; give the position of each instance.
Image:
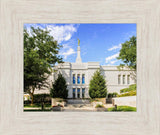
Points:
(115, 79)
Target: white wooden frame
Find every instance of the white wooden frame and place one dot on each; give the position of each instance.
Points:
(14, 13)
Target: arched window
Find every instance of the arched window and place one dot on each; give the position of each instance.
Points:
(78, 78)
(83, 79)
(123, 79)
(74, 79)
(119, 79)
(128, 79)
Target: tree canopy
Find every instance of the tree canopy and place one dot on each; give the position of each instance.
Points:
(97, 86)
(128, 53)
(59, 88)
(40, 55)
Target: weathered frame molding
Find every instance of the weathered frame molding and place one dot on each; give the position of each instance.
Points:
(14, 13)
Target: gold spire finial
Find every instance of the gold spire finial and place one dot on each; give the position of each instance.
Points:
(78, 41)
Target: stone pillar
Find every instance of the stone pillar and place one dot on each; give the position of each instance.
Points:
(80, 92)
(75, 92)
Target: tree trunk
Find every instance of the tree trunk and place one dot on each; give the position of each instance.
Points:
(31, 94)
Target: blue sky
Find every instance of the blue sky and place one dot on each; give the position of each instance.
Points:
(98, 42)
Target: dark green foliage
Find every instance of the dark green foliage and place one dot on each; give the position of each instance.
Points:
(39, 98)
(97, 86)
(59, 88)
(128, 53)
(114, 94)
(40, 55)
(123, 109)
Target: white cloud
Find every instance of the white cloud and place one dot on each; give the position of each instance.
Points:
(115, 47)
(59, 32)
(63, 32)
(70, 51)
(113, 61)
(108, 59)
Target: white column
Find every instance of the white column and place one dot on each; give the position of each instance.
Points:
(75, 92)
(80, 92)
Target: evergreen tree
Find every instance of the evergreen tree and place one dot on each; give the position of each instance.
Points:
(59, 88)
(97, 86)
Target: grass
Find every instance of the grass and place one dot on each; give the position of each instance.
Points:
(123, 109)
(35, 105)
(36, 110)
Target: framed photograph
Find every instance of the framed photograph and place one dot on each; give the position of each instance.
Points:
(63, 74)
(79, 67)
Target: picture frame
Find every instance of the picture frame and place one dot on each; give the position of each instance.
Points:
(14, 13)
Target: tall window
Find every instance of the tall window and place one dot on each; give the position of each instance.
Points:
(123, 79)
(78, 78)
(119, 79)
(74, 93)
(128, 79)
(83, 79)
(74, 79)
(78, 93)
(83, 93)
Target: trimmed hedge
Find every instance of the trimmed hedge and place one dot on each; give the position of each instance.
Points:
(131, 93)
(114, 94)
(131, 88)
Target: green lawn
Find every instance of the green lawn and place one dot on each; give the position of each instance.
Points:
(123, 109)
(36, 110)
(36, 105)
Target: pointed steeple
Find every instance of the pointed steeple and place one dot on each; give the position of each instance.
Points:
(78, 59)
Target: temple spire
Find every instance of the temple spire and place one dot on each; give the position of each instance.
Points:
(78, 59)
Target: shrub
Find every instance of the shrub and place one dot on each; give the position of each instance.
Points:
(99, 106)
(97, 86)
(131, 88)
(131, 93)
(114, 94)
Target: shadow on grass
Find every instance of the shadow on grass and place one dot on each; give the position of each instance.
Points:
(36, 110)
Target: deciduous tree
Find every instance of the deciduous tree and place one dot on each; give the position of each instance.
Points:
(40, 55)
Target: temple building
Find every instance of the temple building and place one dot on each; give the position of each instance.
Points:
(79, 74)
